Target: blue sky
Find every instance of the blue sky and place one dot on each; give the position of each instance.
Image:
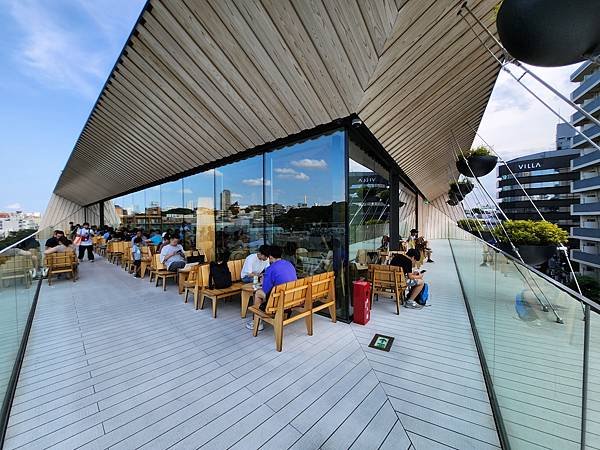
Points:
(56, 55)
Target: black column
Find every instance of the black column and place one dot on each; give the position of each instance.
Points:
(101, 209)
(394, 211)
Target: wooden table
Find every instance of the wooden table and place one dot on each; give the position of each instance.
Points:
(247, 293)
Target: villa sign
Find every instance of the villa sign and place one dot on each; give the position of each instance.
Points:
(531, 165)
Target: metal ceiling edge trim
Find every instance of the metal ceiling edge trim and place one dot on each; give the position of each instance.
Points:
(147, 7)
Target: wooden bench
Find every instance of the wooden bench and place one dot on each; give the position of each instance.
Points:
(15, 268)
(235, 267)
(58, 263)
(295, 294)
(389, 280)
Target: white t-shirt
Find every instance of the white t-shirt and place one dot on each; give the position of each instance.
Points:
(86, 236)
(167, 250)
(253, 265)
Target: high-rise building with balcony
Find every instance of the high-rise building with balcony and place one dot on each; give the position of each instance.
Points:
(547, 177)
(587, 95)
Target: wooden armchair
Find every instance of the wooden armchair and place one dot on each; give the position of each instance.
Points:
(162, 273)
(295, 294)
(61, 263)
(389, 280)
(17, 267)
(147, 255)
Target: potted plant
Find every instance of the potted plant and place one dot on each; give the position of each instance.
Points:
(477, 228)
(477, 162)
(534, 31)
(536, 240)
(462, 187)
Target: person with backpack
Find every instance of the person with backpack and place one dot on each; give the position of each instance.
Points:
(414, 279)
(84, 238)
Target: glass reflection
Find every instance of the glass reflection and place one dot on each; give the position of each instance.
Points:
(171, 205)
(239, 212)
(199, 219)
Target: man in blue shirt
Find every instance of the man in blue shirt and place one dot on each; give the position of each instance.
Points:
(280, 271)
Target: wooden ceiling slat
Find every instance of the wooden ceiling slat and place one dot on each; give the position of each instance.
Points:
(209, 133)
(406, 60)
(314, 16)
(219, 69)
(299, 42)
(264, 66)
(354, 36)
(225, 40)
(269, 37)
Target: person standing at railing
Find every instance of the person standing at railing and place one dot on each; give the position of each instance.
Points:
(84, 238)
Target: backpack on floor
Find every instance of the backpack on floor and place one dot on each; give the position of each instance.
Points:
(423, 295)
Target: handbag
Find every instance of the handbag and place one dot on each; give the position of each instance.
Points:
(77, 240)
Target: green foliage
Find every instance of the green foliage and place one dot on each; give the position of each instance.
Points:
(531, 232)
(471, 225)
(590, 287)
(15, 236)
(477, 151)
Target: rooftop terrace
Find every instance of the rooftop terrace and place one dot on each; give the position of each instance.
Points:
(114, 362)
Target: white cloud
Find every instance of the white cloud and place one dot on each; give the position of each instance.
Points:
(306, 163)
(16, 206)
(256, 182)
(287, 172)
(214, 172)
(236, 195)
(67, 51)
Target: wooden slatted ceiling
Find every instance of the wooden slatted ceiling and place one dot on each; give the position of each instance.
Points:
(202, 80)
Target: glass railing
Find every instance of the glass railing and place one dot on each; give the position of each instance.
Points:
(21, 273)
(543, 382)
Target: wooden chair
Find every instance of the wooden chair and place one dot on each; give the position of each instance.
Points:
(387, 279)
(323, 292)
(235, 268)
(146, 260)
(162, 273)
(295, 294)
(61, 263)
(196, 282)
(15, 268)
(127, 257)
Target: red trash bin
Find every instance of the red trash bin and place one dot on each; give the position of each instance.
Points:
(360, 300)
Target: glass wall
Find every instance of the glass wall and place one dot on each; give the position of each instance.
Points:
(368, 208)
(532, 336)
(407, 211)
(239, 207)
(305, 207)
(152, 209)
(171, 205)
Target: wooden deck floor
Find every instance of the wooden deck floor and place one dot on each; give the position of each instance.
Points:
(113, 362)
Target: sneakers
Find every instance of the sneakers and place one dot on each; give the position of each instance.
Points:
(430, 260)
(250, 325)
(411, 304)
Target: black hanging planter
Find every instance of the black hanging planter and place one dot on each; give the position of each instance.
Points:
(452, 202)
(480, 165)
(550, 32)
(533, 255)
(462, 187)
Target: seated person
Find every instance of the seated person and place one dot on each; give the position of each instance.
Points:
(255, 264)
(139, 234)
(279, 272)
(172, 255)
(414, 279)
(54, 240)
(155, 238)
(423, 247)
(64, 246)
